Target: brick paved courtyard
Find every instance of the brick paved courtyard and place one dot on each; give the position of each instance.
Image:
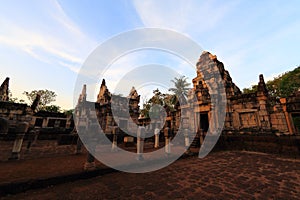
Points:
(220, 175)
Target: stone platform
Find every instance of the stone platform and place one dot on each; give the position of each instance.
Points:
(220, 175)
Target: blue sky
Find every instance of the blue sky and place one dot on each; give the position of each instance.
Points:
(43, 44)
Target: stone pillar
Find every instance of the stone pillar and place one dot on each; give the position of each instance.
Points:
(186, 138)
(167, 135)
(187, 141)
(156, 135)
(114, 146)
(31, 139)
(45, 122)
(140, 142)
(36, 135)
(90, 164)
(286, 114)
(201, 135)
(262, 97)
(92, 143)
(81, 129)
(78, 146)
(20, 133)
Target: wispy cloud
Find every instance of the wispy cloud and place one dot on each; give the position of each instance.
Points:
(189, 17)
(64, 45)
(247, 38)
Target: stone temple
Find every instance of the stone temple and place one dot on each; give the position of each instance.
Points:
(251, 114)
(254, 114)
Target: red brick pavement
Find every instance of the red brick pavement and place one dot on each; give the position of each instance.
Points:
(220, 175)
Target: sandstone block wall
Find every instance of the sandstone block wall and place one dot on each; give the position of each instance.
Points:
(278, 122)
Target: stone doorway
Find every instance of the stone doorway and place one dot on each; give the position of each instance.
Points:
(204, 122)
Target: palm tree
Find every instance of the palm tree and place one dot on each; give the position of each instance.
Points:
(181, 87)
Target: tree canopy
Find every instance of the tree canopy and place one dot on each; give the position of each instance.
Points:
(47, 97)
(158, 98)
(168, 101)
(283, 85)
(14, 99)
(181, 87)
(52, 108)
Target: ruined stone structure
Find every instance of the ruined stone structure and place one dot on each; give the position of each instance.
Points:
(21, 126)
(108, 116)
(254, 113)
(4, 90)
(290, 107)
(44, 119)
(16, 113)
(13, 113)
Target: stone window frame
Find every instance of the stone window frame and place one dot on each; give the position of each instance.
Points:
(254, 111)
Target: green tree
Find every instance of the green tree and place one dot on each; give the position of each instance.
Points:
(14, 99)
(283, 85)
(181, 87)
(146, 108)
(69, 112)
(47, 97)
(52, 108)
(158, 98)
(252, 89)
(290, 83)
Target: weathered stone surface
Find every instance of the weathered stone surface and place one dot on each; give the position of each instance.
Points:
(4, 89)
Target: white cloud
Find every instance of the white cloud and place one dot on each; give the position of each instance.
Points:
(61, 42)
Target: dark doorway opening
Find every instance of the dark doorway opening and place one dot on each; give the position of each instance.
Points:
(204, 122)
(38, 122)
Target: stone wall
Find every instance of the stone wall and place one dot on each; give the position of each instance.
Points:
(254, 113)
(15, 113)
(283, 145)
(45, 119)
(124, 114)
(42, 148)
(279, 122)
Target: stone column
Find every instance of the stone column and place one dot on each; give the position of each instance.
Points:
(262, 98)
(92, 143)
(167, 140)
(31, 137)
(36, 135)
(20, 133)
(90, 164)
(78, 150)
(78, 146)
(201, 135)
(140, 142)
(286, 114)
(156, 135)
(186, 138)
(45, 122)
(186, 141)
(114, 146)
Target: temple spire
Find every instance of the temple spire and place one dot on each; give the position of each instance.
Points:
(4, 90)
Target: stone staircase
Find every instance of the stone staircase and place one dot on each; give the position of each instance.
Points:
(196, 142)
